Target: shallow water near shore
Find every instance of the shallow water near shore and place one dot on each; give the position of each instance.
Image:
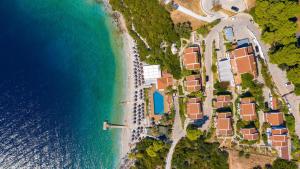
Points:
(61, 76)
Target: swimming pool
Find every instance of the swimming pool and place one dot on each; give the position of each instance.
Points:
(158, 103)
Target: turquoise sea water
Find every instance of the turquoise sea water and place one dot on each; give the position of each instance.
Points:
(60, 78)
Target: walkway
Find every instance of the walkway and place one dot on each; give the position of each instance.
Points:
(199, 17)
(177, 133)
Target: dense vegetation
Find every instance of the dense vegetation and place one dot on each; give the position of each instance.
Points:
(277, 18)
(184, 29)
(152, 22)
(283, 164)
(199, 155)
(192, 133)
(149, 154)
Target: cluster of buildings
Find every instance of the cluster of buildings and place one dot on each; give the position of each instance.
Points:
(278, 133)
(193, 83)
(247, 112)
(238, 61)
(158, 82)
(223, 118)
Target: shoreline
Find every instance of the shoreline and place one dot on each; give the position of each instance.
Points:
(127, 57)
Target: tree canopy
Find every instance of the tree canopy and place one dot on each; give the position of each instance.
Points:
(149, 153)
(150, 24)
(277, 18)
(284, 164)
(199, 155)
(193, 133)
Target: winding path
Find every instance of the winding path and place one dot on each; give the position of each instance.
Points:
(177, 133)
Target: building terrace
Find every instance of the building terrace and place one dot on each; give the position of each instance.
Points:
(243, 61)
(247, 109)
(191, 58)
(224, 124)
(194, 109)
(222, 101)
(193, 83)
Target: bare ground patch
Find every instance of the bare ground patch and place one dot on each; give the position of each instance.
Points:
(193, 5)
(179, 17)
(250, 3)
(236, 162)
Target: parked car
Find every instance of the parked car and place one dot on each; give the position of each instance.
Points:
(289, 106)
(234, 8)
(256, 49)
(288, 83)
(207, 78)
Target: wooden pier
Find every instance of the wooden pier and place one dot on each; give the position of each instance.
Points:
(107, 125)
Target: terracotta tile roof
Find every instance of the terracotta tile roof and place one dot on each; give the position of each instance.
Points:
(274, 118)
(223, 114)
(224, 127)
(165, 81)
(247, 100)
(284, 153)
(218, 105)
(279, 140)
(191, 58)
(194, 109)
(279, 131)
(243, 61)
(222, 101)
(247, 111)
(249, 133)
(193, 83)
(224, 98)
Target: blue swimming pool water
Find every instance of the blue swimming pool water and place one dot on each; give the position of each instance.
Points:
(158, 103)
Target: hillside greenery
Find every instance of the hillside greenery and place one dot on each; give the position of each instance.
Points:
(199, 154)
(277, 18)
(283, 164)
(149, 154)
(149, 20)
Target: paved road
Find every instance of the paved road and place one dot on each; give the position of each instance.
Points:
(177, 133)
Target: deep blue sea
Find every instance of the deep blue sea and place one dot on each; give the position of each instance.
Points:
(59, 75)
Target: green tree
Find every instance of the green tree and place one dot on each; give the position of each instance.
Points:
(184, 29)
(247, 81)
(297, 89)
(284, 164)
(294, 75)
(193, 133)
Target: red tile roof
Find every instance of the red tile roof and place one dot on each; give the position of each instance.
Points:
(247, 100)
(279, 131)
(165, 81)
(224, 127)
(193, 83)
(243, 61)
(284, 153)
(224, 98)
(223, 114)
(191, 59)
(222, 101)
(279, 140)
(274, 118)
(249, 133)
(247, 111)
(194, 109)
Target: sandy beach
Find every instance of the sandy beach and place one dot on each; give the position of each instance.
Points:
(129, 54)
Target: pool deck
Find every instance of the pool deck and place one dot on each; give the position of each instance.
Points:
(167, 103)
